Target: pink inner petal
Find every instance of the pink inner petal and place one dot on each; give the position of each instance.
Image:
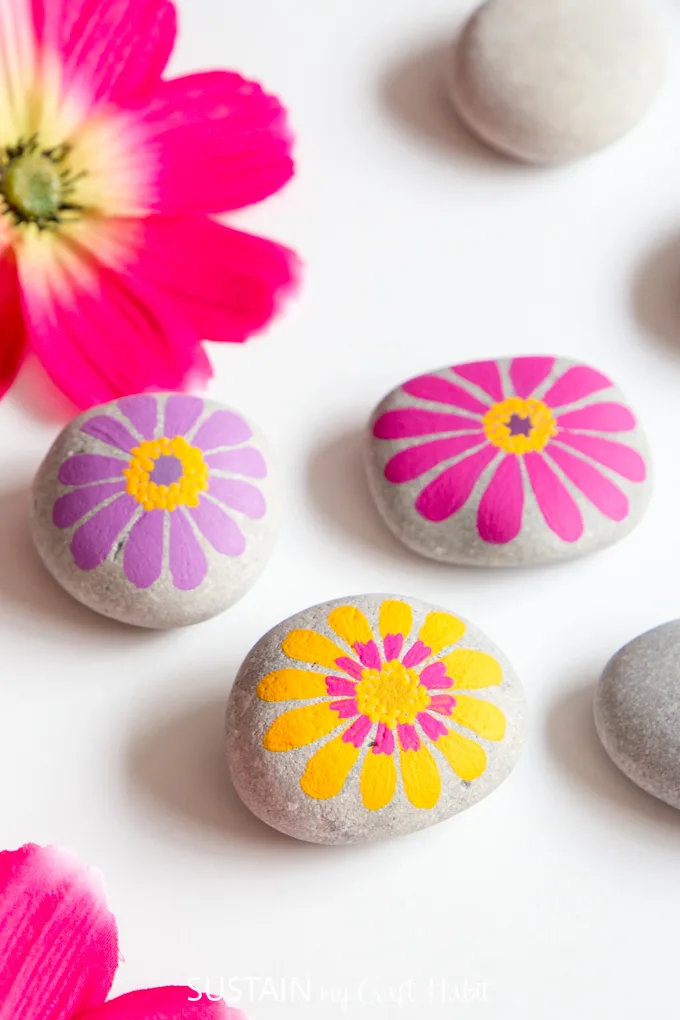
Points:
(349, 666)
(605, 417)
(392, 646)
(338, 686)
(576, 383)
(181, 414)
(416, 654)
(616, 456)
(601, 492)
(432, 728)
(368, 654)
(347, 708)
(142, 411)
(244, 461)
(434, 677)
(358, 731)
(408, 737)
(83, 468)
(442, 391)
(527, 374)
(561, 513)
(443, 703)
(484, 374)
(110, 431)
(417, 460)
(450, 491)
(188, 563)
(222, 532)
(143, 557)
(410, 422)
(172, 1003)
(72, 507)
(499, 517)
(94, 540)
(223, 428)
(384, 740)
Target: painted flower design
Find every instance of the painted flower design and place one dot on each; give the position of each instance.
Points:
(167, 477)
(512, 431)
(395, 698)
(112, 269)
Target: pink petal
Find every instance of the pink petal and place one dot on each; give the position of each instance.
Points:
(142, 412)
(223, 428)
(110, 431)
(434, 387)
(600, 417)
(434, 677)
(246, 461)
(143, 556)
(336, 686)
(94, 540)
(561, 513)
(82, 468)
(347, 708)
(58, 941)
(443, 703)
(358, 731)
(222, 143)
(188, 563)
(350, 666)
(499, 517)
(602, 493)
(450, 491)
(408, 737)
(181, 414)
(417, 460)
(392, 646)
(225, 283)
(384, 740)
(368, 654)
(576, 383)
(238, 495)
(527, 374)
(409, 422)
(432, 728)
(116, 50)
(163, 1004)
(72, 507)
(219, 528)
(13, 344)
(484, 374)
(416, 654)
(619, 458)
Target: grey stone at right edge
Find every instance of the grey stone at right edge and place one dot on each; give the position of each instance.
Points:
(637, 711)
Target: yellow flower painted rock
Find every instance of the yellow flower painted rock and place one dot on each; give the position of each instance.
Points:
(370, 717)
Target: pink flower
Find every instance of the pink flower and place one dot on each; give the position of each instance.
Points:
(487, 425)
(112, 269)
(59, 949)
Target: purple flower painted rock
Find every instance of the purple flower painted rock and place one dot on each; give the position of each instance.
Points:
(157, 510)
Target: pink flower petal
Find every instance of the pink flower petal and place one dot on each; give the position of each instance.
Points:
(499, 518)
(94, 540)
(450, 491)
(72, 507)
(440, 390)
(602, 493)
(245, 461)
(238, 495)
(412, 421)
(443, 703)
(392, 646)
(188, 563)
(434, 677)
(171, 1003)
(384, 740)
(484, 374)
(223, 428)
(181, 414)
(417, 460)
(110, 431)
(358, 731)
(600, 417)
(143, 556)
(219, 528)
(13, 348)
(619, 458)
(416, 654)
(576, 383)
(222, 143)
(350, 666)
(142, 411)
(408, 737)
(347, 708)
(337, 686)
(83, 468)
(368, 654)
(58, 941)
(527, 374)
(432, 728)
(561, 513)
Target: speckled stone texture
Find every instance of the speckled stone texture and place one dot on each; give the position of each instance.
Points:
(156, 510)
(637, 711)
(338, 776)
(548, 81)
(509, 462)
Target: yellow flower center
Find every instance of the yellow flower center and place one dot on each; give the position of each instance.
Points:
(520, 426)
(166, 473)
(36, 185)
(391, 695)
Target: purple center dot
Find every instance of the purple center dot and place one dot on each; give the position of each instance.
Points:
(166, 470)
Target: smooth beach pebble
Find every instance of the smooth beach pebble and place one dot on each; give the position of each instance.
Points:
(369, 717)
(637, 711)
(509, 462)
(156, 510)
(548, 81)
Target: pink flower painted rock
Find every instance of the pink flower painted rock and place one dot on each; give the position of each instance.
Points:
(509, 462)
(156, 510)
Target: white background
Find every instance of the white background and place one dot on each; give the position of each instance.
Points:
(556, 897)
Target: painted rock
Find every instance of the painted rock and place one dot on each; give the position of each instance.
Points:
(637, 711)
(156, 510)
(370, 717)
(548, 81)
(508, 462)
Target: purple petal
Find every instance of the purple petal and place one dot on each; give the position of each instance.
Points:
(142, 412)
(223, 428)
(181, 414)
(94, 540)
(244, 461)
(90, 467)
(188, 564)
(239, 496)
(143, 558)
(72, 507)
(222, 532)
(110, 431)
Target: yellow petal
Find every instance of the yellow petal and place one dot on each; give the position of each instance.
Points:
(441, 630)
(378, 780)
(466, 758)
(471, 670)
(308, 646)
(350, 624)
(480, 716)
(328, 769)
(395, 618)
(301, 726)
(422, 782)
(291, 685)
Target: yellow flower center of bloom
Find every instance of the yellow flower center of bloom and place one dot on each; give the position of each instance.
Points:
(520, 426)
(36, 185)
(166, 473)
(391, 695)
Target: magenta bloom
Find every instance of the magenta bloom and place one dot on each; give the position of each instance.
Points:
(169, 470)
(515, 432)
(112, 271)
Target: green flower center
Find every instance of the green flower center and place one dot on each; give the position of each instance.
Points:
(36, 184)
